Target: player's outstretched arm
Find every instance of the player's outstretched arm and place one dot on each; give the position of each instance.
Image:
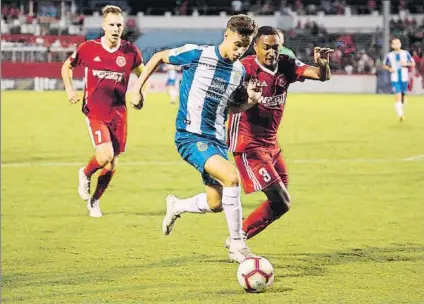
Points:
(138, 70)
(322, 59)
(67, 81)
(153, 64)
(245, 98)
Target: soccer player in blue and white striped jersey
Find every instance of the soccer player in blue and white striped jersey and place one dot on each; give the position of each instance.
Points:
(397, 63)
(212, 76)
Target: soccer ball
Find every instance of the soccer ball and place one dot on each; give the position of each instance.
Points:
(255, 274)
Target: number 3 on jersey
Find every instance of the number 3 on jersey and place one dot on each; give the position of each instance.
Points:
(265, 175)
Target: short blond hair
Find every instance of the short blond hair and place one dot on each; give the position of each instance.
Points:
(112, 9)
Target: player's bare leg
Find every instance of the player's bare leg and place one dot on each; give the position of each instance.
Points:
(173, 94)
(399, 106)
(403, 95)
(277, 203)
(106, 158)
(403, 100)
(210, 201)
(223, 171)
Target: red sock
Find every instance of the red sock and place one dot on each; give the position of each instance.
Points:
(102, 182)
(91, 167)
(259, 219)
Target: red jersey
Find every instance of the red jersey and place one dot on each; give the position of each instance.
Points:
(107, 72)
(257, 127)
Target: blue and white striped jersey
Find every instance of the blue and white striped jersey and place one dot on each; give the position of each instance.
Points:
(394, 60)
(207, 84)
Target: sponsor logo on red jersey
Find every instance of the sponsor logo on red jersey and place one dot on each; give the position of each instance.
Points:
(108, 75)
(273, 102)
(120, 61)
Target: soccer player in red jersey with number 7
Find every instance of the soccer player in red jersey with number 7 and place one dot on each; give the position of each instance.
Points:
(108, 63)
(252, 135)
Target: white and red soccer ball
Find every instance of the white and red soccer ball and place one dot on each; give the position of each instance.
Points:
(255, 274)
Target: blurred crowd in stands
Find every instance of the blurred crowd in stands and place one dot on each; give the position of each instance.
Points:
(52, 32)
(348, 7)
(356, 52)
(48, 20)
(268, 7)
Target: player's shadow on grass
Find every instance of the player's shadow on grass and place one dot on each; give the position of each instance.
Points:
(317, 264)
(274, 289)
(286, 265)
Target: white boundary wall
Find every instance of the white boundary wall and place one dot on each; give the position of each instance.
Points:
(343, 84)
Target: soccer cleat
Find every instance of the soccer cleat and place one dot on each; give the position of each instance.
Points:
(238, 255)
(83, 185)
(401, 118)
(170, 216)
(228, 240)
(94, 208)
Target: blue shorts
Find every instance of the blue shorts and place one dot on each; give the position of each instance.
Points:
(399, 87)
(171, 82)
(196, 150)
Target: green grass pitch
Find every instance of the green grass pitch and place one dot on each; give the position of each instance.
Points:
(355, 233)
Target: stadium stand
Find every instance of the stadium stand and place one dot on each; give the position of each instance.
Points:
(50, 31)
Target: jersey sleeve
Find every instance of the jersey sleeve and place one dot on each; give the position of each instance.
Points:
(240, 95)
(185, 54)
(77, 56)
(292, 68)
(243, 75)
(387, 60)
(138, 58)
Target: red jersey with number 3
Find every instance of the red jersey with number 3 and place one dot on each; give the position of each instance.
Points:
(257, 127)
(107, 73)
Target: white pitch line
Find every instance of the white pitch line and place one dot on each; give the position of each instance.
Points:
(174, 163)
(413, 158)
(354, 160)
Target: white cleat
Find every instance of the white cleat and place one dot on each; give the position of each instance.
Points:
(170, 216)
(239, 254)
(83, 185)
(94, 208)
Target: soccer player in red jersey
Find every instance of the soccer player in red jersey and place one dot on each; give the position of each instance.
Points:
(252, 135)
(108, 63)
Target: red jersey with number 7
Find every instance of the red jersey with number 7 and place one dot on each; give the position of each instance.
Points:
(107, 73)
(257, 127)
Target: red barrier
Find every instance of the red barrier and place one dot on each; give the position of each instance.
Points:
(35, 69)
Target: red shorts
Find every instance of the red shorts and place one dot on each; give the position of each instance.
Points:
(114, 131)
(258, 169)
